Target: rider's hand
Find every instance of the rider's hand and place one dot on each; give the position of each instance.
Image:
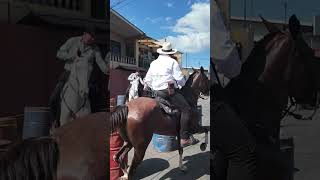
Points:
(78, 53)
(145, 87)
(84, 93)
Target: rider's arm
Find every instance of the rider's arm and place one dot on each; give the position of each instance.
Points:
(131, 77)
(177, 74)
(224, 51)
(148, 78)
(141, 81)
(103, 64)
(64, 52)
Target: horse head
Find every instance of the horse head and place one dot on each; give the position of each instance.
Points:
(197, 84)
(288, 61)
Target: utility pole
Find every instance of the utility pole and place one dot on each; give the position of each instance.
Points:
(285, 11)
(285, 6)
(245, 10)
(186, 60)
(252, 9)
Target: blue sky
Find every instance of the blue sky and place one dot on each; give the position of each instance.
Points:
(274, 9)
(185, 23)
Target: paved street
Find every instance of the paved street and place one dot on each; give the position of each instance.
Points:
(306, 135)
(165, 165)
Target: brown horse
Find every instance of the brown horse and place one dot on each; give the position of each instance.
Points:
(281, 65)
(142, 117)
(75, 151)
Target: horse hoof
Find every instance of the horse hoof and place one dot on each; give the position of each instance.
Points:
(203, 146)
(124, 177)
(114, 157)
(183, 168)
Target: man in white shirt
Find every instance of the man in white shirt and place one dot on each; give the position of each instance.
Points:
(79, 54)
(165, 70)
(135, 80)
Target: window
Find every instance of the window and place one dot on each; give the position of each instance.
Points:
(115, 48)
(130, 50)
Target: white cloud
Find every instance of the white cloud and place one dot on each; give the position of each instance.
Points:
(193, 30)
(168, 19)
(154, 20)
(169, 4)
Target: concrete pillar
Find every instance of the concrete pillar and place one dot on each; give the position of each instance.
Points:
(225, 9)
(136, 54)
(85, 7)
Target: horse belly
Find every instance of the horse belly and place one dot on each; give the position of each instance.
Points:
(167, 126)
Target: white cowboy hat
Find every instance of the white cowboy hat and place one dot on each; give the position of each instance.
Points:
(166, 49)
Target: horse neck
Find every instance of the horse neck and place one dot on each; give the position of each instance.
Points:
(256, 79)
(273, 76)
(191, 94)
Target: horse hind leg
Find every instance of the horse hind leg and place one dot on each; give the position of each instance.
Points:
(123, 164)
(138, 156)
(120, 152)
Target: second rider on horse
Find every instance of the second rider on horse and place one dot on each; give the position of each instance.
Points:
(165, 78)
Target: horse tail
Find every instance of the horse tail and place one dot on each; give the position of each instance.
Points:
(119, 117)
(31, 159)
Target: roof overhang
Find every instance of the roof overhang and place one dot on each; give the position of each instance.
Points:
(51, 19)
(306, 27)
(152, 43)
(123, 27)
(130, 68)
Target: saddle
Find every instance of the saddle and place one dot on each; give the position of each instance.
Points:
(164, 102)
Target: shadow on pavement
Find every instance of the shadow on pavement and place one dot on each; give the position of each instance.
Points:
(151, 166)
(197, 165)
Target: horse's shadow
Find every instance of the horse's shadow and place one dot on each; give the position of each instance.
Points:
(197, 165)
(151, 166)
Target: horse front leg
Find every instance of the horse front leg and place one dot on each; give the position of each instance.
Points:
(180, 150)
(204, 145)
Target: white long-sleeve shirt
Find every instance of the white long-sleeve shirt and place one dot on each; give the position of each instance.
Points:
(163, 70)
(223, 50)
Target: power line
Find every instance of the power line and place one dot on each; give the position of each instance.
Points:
(118, 3)
(125, 4)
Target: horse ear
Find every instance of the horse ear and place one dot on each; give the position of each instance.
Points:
(294, 26)
(201, 69)
(194, 70)
(270, 27)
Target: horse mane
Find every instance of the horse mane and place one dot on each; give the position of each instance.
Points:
(255, 63)
(118, 116)
(189, 80)
(31, 159)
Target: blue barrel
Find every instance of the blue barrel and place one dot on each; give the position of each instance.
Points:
(37, 122)
(164, 143)
(121, 100)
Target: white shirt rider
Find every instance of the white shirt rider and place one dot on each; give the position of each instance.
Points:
(223, 49)
(163, 70)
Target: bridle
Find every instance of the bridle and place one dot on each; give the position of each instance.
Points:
(296, 115)
(200, 94)
(292, 100)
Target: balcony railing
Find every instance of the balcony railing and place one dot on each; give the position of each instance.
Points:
(74, 5)
(123, 59)
(144, 63)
